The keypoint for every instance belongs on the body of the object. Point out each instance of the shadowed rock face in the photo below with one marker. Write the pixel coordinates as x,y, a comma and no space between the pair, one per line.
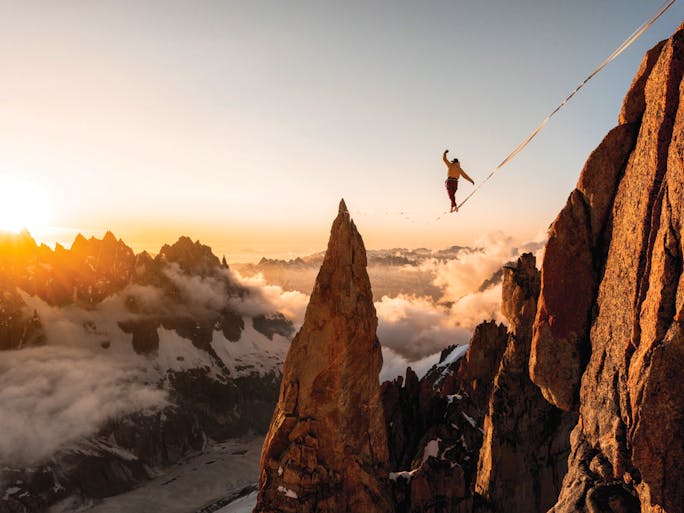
326,450
481,362
526,439
439,462
434,433
608,338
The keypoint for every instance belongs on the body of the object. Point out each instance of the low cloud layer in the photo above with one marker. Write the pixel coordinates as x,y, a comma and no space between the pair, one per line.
51,396
445,298
200,293
415,327
88,372
471,309
464,275
395,365
265,297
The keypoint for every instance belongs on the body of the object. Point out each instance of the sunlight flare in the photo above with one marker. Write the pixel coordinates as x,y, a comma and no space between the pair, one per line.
23,205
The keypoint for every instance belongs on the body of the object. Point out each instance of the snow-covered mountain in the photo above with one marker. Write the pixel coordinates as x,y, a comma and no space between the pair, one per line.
116,365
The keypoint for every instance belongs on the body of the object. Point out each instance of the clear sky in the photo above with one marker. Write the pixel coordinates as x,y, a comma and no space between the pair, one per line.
243,123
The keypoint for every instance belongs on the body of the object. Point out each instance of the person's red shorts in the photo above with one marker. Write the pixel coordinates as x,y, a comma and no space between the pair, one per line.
451,185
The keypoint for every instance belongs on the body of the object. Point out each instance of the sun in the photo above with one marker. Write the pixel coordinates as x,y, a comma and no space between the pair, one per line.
23,205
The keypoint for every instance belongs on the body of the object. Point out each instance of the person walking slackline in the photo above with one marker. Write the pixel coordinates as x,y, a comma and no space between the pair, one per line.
454,172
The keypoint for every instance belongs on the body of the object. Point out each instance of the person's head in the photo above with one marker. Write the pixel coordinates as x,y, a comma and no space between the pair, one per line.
455,161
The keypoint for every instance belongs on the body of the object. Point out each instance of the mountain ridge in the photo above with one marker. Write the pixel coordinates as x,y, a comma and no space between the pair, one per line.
164,354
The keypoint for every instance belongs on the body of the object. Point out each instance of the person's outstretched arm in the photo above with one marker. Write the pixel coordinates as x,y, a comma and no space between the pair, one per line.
465,175
446,160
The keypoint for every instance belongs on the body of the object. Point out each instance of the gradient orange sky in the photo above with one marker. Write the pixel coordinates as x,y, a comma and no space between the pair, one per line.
243,123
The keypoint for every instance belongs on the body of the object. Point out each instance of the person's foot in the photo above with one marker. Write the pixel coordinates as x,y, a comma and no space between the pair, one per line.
455,208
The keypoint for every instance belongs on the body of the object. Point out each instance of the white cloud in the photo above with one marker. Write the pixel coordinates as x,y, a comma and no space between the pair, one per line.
264,298
465,274
472,309
414,327
442,306
51,396
395,365
201,293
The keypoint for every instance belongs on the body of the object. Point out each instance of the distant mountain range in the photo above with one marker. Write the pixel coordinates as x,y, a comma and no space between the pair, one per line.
383,266
116,364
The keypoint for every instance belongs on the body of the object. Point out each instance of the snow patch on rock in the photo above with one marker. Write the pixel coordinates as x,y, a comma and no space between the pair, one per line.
287,492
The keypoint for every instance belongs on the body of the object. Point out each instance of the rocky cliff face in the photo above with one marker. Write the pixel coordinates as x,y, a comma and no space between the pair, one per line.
434,439
481,363
475,434
326,449
608,338
526,439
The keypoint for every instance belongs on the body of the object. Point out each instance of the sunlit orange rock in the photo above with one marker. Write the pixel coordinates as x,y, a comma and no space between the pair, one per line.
609,339
326,450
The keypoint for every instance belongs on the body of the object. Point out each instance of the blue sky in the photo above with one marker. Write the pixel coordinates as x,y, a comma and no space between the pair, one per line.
243,123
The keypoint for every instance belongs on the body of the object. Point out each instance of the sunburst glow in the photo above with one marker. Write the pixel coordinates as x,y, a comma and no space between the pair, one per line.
22,205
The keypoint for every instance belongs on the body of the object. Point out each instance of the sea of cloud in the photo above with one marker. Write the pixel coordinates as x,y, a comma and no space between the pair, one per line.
88,373
427,307
52,396
264,297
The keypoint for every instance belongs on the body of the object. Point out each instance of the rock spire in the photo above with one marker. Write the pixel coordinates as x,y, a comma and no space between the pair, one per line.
326,450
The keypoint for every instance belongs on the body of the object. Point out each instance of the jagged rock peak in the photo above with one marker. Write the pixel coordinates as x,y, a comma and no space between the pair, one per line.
25,237
15,246
343,207
480,364
93,245
520,290
79,239
343,274
192,257
326,449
